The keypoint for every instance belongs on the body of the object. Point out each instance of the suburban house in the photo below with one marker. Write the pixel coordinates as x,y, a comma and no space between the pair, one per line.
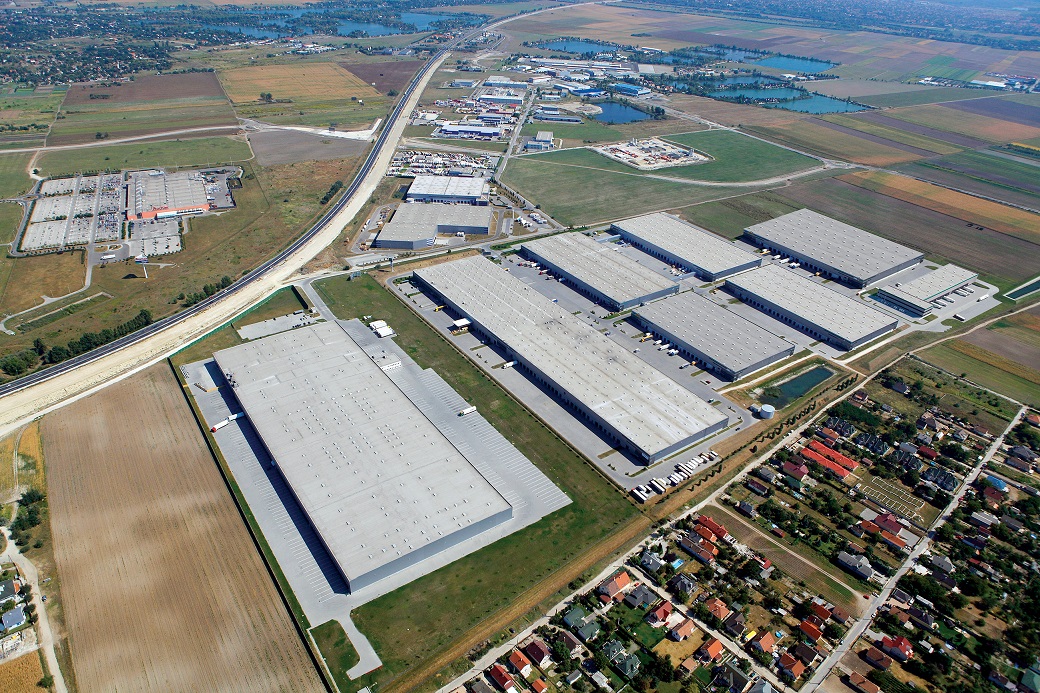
520,663
807,655
501,677
876,658
717,529
659,614
734,624
613,587
573,645
539,686
710,651
943,563
575,617
764,642
810,631
794,474
791,665
899,647
539,654
683,583
857,565
480,686
641,597
589,631
684,630
717,608
651,561
860,682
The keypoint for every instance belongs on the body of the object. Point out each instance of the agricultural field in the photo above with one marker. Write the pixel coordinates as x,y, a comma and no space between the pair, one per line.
988,368
206,151
894,136
1006,220
436,619
886,119
392,74
21,675
7,463
163,588
918,97
1021,112
148,105
1006,260
987,173
857,89
574,195
25,120
823,139
957,121
306,93
730,217
734,114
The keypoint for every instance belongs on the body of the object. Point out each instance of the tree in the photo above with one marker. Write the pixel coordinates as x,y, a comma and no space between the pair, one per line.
46,682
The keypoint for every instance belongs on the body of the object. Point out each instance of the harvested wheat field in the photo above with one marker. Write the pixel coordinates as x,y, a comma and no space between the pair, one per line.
21,675
163,588
301,82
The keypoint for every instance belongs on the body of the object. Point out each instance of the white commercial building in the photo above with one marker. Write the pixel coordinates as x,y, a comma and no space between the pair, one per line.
618,394
416,225
449,189
917,297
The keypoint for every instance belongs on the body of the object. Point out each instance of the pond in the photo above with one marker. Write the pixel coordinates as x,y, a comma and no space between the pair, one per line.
782,93
819,104
795,64
1025,290
783,394
579,47
617,113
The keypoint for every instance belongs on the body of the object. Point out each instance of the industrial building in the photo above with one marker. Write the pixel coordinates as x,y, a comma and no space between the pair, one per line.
598,271
629,89
820,312
918,297
449,189
382,486
415,225
157,194
465,130
832,248
716,338
501,97
687,246
541,142
614,392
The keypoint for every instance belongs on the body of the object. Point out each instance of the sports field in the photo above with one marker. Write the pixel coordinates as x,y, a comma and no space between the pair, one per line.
817,138
141,511
170,154
432,621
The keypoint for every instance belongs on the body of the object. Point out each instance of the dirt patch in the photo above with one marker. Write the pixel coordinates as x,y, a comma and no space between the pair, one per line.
274,147
386,75
146,88
163,588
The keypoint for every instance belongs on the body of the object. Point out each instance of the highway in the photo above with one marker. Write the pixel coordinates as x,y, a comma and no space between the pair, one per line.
260,272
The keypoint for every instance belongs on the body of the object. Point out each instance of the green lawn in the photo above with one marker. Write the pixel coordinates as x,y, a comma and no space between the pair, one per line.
582,196
339,654
190,152
420,619
14,179
730,217
10,217
634,621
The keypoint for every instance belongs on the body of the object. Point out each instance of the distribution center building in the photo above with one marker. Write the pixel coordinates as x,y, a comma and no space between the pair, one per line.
916,297
717,338
380,483
416,225
690,247
599,271
823,313
616,393
832,248
450,189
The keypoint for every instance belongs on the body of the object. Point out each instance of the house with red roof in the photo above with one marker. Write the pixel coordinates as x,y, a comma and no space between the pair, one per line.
659,614
539,686
892,540
613,587
811,631
717,608
832,468
899,647
889,522
520,663
706,533
862,684
502,679
710,651
714,526
833,455
876,658
684,630
820,610
791,665
927,452
764,642
794,474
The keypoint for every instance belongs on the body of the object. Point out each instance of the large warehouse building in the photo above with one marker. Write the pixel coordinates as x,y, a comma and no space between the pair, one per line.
917,297
416,225
832,248
717,338
450,189
820,312
156,194
380,483
615,392
690,247
599,271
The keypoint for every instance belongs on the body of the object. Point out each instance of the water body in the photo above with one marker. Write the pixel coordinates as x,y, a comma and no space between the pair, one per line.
804,65
617,113
422,22
579,47
819,104
783,394
783,93
1023,291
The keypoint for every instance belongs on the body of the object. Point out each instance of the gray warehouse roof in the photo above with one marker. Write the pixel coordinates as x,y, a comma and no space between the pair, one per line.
448,186
850,250
643,405
727,338
599,265
416,221
813,303
699,248
923,290
377,479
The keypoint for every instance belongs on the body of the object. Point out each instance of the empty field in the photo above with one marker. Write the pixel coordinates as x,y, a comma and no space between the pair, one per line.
14,178
961,122
730,217
987,369
1007,220
734,114
385,76
894,134
298,82
817,138
33,112
29,279
145,88
575,135
1004,259
190,152
140,513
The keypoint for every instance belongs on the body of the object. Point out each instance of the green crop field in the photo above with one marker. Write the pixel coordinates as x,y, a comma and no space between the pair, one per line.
189,152
575,195
14,178
985,374
894,134
919,98
415,621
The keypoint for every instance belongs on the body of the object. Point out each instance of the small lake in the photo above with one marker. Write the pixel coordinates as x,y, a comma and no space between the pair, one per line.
578,47
795,64
421,20
783,394
617,113
782,93
819,104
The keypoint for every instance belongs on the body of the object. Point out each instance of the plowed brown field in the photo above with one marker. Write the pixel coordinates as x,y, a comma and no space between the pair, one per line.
163,588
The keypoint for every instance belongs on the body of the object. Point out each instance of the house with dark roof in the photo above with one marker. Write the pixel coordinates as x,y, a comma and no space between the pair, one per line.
575,617
479,686
734,624
876,658
757,487
766,474
857,565
683,583
921,618
943,563
1023,453
573,645
794,474
651,562
641,597
862,684
806,654
746,509
538,652
900,387
730,678
589,631
14,618
8,591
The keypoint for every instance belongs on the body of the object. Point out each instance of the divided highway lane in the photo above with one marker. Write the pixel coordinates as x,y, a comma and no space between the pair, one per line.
257,274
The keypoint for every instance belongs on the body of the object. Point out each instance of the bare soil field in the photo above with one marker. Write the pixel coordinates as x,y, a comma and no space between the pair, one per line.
387,75
301,81
875,138
919,129
734,113
1007,347
146,88
1002,109
163,587
945,117
22,674
986,251
275,147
